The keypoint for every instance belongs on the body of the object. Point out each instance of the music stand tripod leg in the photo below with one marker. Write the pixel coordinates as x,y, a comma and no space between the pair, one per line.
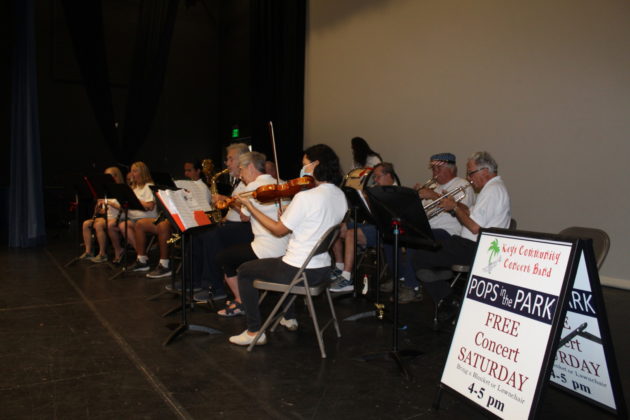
395,354
186,295
123,261
379,308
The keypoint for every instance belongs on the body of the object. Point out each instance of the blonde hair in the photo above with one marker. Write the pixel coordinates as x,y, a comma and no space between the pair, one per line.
130,180
114,171
145,175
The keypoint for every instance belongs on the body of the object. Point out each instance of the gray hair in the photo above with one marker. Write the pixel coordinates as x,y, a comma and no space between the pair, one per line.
388,168
452,167
257,158
239,147
485,160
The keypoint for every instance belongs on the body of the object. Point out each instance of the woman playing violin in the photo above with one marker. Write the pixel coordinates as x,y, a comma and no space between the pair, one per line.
265,244
311,213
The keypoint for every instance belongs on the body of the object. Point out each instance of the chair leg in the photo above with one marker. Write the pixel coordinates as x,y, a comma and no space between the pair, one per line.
269,318
435,315
280,315
262,297
333,313
320,341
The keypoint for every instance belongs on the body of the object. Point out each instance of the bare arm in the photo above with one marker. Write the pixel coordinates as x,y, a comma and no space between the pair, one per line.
462,212
148,205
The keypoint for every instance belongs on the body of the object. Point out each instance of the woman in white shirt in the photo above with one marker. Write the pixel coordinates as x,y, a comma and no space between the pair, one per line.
141,178
97,223
310,214
265,243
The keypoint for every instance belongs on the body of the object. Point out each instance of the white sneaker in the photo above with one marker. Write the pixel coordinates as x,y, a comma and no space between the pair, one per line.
244,339
289,324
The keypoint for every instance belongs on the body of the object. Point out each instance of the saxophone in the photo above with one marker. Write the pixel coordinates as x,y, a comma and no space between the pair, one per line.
216,213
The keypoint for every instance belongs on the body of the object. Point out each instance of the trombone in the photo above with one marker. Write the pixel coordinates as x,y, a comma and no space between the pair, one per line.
432,209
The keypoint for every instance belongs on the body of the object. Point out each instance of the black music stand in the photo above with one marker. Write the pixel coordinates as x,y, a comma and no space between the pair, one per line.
398,211
161,214
360,211
187,280
92,186
163,180
128,201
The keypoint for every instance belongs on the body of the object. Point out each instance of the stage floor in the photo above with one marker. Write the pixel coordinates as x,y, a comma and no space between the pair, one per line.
74,344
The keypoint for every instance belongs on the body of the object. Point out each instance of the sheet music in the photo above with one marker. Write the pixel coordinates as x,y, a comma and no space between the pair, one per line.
199,192
184,209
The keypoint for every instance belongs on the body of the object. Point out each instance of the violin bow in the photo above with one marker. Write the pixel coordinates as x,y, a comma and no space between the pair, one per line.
275,156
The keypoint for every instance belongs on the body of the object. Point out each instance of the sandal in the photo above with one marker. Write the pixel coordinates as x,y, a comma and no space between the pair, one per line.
232,309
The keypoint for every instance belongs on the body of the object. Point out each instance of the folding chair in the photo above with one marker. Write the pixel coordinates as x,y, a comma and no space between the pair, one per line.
299,285
601,240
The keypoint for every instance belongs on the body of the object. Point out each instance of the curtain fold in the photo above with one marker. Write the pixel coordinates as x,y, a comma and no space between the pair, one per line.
156,22
278,30
26,200
85,24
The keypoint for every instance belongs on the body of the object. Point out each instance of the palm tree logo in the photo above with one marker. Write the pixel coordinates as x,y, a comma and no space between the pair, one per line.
494,251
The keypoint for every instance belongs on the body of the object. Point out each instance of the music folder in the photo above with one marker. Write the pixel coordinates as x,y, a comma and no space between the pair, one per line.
183,208
125,196
98,183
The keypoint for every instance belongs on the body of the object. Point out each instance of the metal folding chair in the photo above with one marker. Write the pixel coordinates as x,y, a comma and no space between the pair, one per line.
299,286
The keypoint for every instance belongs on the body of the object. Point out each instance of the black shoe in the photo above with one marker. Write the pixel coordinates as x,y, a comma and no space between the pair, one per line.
139,266
159,272
178,287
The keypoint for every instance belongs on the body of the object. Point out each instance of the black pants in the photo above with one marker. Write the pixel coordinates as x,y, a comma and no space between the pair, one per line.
454,250
231,258
272,270
206,247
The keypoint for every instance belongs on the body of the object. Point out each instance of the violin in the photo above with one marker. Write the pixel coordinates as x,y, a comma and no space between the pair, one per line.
272,192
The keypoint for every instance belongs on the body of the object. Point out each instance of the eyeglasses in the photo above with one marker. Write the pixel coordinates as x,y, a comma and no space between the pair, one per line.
471,173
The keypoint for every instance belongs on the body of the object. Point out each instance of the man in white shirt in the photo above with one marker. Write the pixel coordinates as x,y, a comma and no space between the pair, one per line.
444,172
236,229
492,209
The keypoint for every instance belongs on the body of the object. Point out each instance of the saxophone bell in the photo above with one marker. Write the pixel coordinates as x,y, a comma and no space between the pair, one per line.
216,213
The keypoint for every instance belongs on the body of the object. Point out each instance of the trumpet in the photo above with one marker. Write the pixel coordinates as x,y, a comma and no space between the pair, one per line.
430,184
433,209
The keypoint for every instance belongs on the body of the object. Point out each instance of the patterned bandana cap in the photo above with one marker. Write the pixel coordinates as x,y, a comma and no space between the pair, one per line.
442,158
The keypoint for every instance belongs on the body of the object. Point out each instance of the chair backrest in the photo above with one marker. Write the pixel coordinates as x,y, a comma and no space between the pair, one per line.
325,242
601,240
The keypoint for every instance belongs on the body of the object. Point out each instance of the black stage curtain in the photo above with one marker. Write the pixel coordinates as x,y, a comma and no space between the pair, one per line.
153,40
85,24
26,208
277,69
156,21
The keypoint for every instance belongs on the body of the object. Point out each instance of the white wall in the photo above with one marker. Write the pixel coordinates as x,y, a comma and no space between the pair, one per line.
542,85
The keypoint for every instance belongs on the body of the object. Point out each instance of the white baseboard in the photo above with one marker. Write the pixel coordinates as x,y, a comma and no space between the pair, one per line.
613,282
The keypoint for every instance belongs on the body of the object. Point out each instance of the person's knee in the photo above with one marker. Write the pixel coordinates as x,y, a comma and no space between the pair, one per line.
164,227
